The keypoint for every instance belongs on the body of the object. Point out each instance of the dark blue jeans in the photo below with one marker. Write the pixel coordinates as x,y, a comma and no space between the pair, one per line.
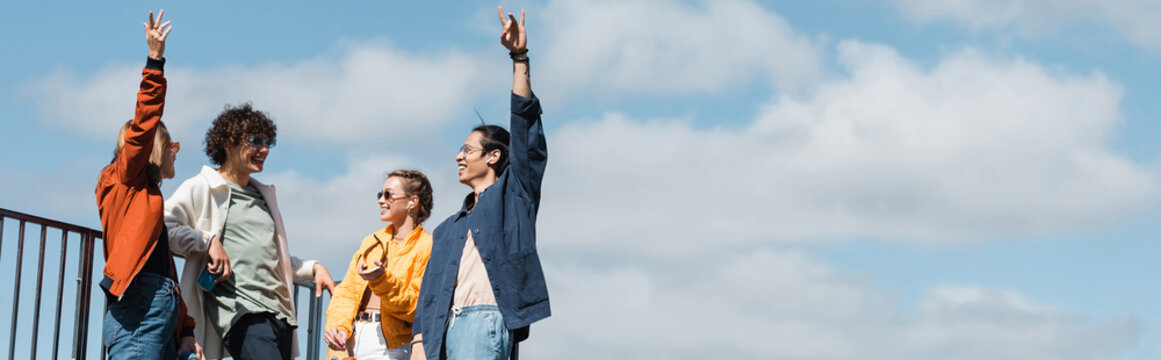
143,324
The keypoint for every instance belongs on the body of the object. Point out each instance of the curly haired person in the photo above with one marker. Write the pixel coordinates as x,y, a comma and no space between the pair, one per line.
227,224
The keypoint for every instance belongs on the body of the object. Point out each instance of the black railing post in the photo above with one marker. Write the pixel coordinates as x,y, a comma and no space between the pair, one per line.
315,321
312,332
84,281
89,292
39,287
64,247
16,292
1,234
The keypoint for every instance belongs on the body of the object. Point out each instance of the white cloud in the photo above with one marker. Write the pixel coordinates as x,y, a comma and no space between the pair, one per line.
783,304
358,96
973,148
653,47
733,303
64,192
1136,20
738,302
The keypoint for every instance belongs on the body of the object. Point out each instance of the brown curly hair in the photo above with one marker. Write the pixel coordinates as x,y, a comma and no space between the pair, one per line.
415,183
234,126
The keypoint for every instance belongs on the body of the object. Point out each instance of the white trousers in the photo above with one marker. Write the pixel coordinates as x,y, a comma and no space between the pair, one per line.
370,344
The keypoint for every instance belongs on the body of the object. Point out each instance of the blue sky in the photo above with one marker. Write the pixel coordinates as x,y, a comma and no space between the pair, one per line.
779,179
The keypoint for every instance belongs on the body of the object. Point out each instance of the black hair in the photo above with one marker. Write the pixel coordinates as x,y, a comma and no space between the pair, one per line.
495,138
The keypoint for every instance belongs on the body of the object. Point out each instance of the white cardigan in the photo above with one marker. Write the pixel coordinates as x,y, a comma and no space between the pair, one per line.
195,213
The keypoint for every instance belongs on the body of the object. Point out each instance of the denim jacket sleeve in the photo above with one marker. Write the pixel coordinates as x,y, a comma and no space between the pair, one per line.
527,151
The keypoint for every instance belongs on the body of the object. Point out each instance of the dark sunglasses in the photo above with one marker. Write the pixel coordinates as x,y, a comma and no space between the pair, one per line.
387,195
259,142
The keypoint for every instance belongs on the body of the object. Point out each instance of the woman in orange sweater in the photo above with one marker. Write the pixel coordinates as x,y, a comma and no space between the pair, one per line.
371,311
145,318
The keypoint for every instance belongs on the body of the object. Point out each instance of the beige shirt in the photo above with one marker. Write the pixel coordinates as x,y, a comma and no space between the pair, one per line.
472,284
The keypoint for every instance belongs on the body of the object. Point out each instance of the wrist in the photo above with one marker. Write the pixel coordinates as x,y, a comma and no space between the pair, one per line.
155,63
519,55
212,242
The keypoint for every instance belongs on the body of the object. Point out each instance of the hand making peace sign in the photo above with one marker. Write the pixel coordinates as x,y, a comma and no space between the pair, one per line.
513,36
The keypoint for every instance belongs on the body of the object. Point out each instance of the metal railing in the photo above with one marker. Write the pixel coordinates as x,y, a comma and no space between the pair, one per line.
83,247
84,281
314,318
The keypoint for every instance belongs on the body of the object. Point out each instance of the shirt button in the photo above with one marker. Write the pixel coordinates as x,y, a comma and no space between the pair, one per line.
476,231
487,258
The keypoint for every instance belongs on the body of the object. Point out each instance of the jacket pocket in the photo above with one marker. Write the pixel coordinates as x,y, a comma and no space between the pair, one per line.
527,278
519,238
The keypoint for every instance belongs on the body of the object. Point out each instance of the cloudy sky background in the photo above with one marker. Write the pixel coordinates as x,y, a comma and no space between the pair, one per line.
803,180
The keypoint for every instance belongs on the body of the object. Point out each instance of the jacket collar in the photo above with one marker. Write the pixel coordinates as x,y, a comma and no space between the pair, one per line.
217,181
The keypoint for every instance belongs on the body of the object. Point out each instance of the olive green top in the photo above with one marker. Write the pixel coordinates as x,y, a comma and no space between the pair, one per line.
248,238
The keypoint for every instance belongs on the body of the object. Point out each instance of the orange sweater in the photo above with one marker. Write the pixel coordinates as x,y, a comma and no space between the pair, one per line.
397,289
129,204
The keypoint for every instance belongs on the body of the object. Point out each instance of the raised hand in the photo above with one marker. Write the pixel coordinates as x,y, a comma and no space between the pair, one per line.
513,36
155,34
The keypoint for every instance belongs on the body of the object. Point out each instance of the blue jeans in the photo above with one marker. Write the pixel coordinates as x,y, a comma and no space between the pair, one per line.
477,332
143,324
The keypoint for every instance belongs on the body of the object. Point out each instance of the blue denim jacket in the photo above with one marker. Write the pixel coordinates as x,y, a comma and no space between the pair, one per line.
503,225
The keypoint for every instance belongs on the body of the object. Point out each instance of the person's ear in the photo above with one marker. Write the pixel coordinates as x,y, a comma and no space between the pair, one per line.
493,157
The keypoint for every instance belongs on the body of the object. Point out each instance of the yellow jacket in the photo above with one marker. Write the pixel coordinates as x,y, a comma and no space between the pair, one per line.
397,289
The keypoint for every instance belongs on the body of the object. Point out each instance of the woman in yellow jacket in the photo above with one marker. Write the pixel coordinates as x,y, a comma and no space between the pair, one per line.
371,311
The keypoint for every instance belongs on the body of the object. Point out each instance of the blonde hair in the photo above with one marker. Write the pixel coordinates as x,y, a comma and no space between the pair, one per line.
160,138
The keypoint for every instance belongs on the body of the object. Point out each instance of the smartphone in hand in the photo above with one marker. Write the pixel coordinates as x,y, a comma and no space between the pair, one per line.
370,270
206,280
187,355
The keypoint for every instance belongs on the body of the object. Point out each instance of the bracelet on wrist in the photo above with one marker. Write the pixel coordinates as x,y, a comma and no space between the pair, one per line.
416,341
519,56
